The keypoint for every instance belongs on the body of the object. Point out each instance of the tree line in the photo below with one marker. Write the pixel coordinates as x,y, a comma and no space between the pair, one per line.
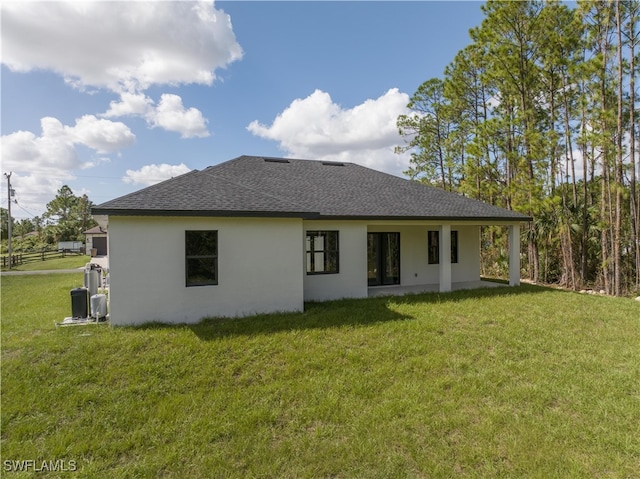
66,218
539,114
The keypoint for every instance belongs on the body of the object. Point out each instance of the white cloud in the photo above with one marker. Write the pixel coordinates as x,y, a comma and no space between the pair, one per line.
104,136
24,151
151,174
41,163
317,128
122,46
170,114
130,104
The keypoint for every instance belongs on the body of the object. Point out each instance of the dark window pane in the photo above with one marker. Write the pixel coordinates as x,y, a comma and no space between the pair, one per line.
383,258
434,247
454,246
201,243
331,265
392,258
201,271
373,259
201,252
332,240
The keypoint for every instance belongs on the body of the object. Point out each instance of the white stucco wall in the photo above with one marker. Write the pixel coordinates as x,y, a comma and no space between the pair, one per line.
468,266
414,261
351,281
260,265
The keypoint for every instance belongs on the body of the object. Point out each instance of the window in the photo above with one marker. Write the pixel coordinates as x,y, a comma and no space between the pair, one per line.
434,247
201,253
322,252
454,246
433,238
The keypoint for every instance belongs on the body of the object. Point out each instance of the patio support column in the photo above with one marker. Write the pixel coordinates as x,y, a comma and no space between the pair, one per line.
514,255
445,258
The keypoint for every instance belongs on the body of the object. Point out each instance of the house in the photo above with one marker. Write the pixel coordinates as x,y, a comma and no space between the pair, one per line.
96,241
256,235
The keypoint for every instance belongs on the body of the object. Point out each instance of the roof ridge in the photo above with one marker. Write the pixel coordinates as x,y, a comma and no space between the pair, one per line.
306,160
137,192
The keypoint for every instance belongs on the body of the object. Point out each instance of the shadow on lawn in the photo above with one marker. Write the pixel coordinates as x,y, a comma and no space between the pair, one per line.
335,314
346,313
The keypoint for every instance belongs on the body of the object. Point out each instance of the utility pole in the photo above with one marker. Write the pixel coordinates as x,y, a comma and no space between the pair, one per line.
10,193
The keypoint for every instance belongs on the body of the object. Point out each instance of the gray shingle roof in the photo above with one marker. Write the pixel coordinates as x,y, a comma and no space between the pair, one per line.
96,230
257,186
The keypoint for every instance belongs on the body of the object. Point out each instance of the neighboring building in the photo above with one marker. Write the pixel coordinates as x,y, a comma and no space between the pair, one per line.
96,241
257,235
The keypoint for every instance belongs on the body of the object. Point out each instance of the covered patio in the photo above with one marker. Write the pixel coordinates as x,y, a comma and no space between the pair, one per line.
432,256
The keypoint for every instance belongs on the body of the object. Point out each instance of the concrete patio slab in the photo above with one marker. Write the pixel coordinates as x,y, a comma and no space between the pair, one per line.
399,290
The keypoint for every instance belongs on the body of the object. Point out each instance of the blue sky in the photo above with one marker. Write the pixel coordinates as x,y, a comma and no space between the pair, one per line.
110,97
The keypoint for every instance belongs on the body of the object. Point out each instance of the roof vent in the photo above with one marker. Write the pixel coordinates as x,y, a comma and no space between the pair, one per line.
332,163
276,160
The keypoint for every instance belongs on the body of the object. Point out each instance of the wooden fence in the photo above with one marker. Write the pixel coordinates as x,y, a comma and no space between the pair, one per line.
23,258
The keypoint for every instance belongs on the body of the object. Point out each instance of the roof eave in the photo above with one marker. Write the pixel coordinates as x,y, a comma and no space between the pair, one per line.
303,215
483,219
205,213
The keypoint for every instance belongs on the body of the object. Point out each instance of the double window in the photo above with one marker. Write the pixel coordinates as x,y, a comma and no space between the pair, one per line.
201,255
434,247
322,252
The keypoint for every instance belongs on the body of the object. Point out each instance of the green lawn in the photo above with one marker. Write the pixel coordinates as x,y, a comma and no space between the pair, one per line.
68,262
526,382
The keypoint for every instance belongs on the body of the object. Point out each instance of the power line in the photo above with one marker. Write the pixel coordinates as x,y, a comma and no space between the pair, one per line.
25,210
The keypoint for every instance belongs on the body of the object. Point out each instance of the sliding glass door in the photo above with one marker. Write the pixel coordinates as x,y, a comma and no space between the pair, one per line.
383,258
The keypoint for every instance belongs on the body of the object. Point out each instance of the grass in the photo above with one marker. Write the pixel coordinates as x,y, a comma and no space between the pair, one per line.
526,382
68,262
